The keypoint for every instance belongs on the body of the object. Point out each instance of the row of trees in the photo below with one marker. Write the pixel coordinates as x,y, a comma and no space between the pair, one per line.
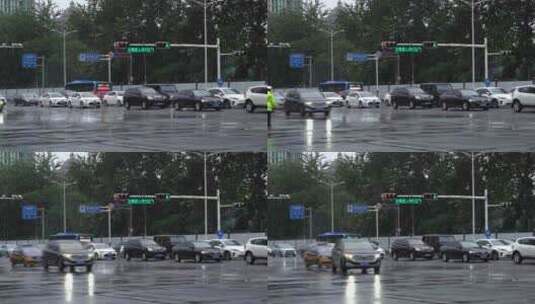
97,24
507,176
239,176
509,25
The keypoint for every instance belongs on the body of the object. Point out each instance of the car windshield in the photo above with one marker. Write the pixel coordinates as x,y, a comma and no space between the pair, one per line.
230,91
201,93
446,239
469,93
311,95
28,96
366,94
500,242
416,242
100,246
120,93
470,245
31,251
441,88
285,245
148,243
168,89
415,91
87,94
55,95
71,246
231,243
330,94
202,245
497,90
358,245
148,91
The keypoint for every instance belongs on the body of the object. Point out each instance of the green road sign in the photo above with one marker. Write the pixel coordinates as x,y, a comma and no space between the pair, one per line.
141,49
408,201
408,49
140,200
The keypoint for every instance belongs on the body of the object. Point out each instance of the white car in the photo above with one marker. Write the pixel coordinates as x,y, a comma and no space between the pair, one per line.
102,251
497,95
523,97
113,98
523,249
499,248
232,98
84,100
229,248
333,99
256,97
362,99
53,99
3,103
256,249
7,249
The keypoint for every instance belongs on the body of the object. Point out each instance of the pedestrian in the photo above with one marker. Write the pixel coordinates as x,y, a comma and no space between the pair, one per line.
271,105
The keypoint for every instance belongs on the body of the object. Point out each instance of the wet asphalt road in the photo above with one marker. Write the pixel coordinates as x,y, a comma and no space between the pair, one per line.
136,282
405,282
113,129
404,130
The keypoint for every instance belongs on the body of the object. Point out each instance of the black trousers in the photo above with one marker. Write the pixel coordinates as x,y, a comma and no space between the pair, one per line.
269,119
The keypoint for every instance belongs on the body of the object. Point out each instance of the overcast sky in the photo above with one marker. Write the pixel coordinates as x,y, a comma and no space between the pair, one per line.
65,3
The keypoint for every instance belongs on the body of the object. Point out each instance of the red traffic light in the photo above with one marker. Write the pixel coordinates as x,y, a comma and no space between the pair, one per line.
121,45
388,196
388,44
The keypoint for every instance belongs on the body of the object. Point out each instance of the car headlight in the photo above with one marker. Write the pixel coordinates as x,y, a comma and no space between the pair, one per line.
150,98
377,256
348,256
471,252
203,252
150,249
89,255
308,103
418,97
417,249
67,256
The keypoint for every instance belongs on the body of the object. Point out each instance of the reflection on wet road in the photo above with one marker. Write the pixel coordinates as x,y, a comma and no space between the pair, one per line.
404,282
115,129
404,130
136,282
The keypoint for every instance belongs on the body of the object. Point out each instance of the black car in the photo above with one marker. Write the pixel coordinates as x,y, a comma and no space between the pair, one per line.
436,89
168,90
412,249
437,240
196,251
306,102
67,253
198,100
26,100
144,97
411,97
464,99
169,241
144,249
465,251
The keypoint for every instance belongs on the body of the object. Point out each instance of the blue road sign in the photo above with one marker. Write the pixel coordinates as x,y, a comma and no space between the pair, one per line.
90,209
297,61
89,57
488,83
297,212
488,234
29,212
220,234
220,82
357,208
29,61
357,57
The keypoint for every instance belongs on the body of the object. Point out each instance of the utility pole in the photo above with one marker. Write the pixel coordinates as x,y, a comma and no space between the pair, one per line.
42,223
205,198
331,186
64,33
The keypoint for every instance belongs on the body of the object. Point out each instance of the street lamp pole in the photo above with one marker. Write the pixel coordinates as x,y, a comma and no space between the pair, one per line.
65,185
205,199
332,33
331,185
64,33
205,46
473,46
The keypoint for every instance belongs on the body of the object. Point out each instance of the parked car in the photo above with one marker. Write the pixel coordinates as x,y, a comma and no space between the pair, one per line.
53,99
355,254
465,251
256,98
84,100
412,249
283,250
499,248
168,90
26,99
144,249
499,97
436,90
306,102
436,241
523,249
102,251
232,98
67,253
144,97
464,99
7,249
169,241
229,248
113,98
362,99
523,97
319,254
378,248
412,97
27,255
198,100
333,99
256,249
196,251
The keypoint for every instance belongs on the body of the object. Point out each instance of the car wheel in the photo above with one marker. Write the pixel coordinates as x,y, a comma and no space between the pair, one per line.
89,268
412,256
144,256
517,258
249,107
72,269
303,112
466,106
412,105
517,106
327,114
227,104
227,256
466,258
249,258
61,266
343,266
444,106
445,258
377,270
198,258
177,258
45,265
198,107
495,256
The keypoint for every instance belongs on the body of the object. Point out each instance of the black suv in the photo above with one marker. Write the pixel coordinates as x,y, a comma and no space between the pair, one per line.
436,89
67,253
198,100
411,97
144,249
144,97
436,241
169,241
168,90
412,249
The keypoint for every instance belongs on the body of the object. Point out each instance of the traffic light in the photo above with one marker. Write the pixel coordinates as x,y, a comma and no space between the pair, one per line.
120,197
388,196
162,196
429,44
388,44
121,45
163,45
430,196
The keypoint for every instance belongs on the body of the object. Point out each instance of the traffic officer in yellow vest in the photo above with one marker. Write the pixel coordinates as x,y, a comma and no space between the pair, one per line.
271,105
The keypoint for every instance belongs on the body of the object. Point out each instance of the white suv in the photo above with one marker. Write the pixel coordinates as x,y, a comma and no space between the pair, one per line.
523,97
256,249
256,97
523,248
